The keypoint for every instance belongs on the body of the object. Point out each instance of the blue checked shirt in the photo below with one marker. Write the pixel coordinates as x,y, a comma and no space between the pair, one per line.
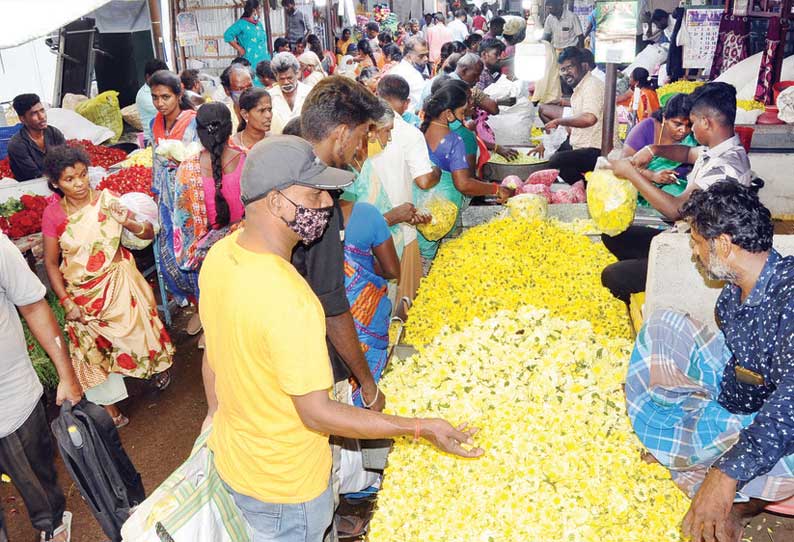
760,334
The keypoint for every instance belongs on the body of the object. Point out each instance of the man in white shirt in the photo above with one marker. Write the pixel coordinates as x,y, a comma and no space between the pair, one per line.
289,94
407,163
562,28
458,26
26,448
412,68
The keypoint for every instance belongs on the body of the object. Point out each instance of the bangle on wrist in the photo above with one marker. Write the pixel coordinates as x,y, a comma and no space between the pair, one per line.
143,229
62,299
374,400
496,191
650,150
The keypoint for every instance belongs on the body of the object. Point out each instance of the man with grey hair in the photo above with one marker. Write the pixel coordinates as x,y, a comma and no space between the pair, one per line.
288,94
412,68
469,68
413,29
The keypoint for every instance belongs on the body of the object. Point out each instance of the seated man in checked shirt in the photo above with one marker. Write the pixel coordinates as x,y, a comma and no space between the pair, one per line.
717,408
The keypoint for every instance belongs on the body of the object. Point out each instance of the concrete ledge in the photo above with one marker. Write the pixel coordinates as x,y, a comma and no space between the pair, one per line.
674,281
777,171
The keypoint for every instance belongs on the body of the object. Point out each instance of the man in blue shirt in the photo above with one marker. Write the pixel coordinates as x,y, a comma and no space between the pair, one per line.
143,99
717,408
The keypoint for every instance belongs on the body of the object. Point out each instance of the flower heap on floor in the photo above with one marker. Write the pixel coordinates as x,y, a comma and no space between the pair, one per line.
561,462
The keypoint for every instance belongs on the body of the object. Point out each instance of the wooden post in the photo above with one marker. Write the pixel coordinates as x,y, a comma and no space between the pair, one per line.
608,117
157,28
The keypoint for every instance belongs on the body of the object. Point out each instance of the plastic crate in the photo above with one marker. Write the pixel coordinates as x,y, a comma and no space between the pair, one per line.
6,133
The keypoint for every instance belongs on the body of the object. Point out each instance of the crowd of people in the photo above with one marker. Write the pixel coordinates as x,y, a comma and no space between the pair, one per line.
312,172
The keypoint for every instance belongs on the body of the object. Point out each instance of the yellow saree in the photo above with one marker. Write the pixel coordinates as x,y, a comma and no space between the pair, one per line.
122,332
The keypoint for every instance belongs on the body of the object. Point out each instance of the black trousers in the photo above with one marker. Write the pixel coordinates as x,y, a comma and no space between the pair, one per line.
26,455
573,164
631,248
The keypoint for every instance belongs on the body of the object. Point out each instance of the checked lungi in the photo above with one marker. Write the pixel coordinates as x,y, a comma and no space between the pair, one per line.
672,387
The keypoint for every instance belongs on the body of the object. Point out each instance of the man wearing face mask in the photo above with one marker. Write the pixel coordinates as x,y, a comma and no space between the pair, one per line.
717,408
268,373
289,93
413,68
235,80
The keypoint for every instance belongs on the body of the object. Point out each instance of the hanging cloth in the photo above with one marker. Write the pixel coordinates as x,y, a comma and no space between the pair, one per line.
732,46
675,56
763,89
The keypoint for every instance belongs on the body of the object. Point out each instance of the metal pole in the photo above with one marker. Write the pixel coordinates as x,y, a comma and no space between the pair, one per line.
608,124
157,30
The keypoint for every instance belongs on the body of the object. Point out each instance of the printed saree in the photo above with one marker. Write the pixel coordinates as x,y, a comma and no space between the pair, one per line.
122,332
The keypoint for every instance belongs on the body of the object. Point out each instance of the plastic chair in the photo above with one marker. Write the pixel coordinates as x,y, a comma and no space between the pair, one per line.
782,507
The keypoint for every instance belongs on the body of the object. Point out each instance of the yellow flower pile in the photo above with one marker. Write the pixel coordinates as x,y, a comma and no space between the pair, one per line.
444,214
683,87
750,105
528,206
611,201
141,157
521,160
561,461
509,263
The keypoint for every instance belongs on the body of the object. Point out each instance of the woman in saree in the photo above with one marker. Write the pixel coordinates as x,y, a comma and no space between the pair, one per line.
668,126
448,152
175,120
379,163
256,109
370,262
112,323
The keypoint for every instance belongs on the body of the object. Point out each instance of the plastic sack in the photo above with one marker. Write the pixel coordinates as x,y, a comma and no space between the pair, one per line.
444,214
513,182
528,206
70,101
611,201
539,189
145,210
131,116
553,141
545,176
74,126
785,105
104,110
513,126
574,194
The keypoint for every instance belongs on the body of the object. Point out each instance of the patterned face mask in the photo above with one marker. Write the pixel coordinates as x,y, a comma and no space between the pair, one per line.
308,223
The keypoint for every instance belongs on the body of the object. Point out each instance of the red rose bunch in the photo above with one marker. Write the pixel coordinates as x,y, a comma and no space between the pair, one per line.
27,220
100,155
5,169
131,179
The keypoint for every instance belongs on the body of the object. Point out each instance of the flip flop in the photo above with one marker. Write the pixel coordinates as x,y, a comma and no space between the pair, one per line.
66,526
162,380
194,326
120,421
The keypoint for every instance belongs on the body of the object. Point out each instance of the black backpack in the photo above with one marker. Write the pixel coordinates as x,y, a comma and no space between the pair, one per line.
95,459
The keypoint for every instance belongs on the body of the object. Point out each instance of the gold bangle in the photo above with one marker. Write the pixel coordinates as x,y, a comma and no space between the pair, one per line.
143,229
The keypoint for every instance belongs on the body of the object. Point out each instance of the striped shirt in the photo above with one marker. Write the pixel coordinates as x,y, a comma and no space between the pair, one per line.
725,162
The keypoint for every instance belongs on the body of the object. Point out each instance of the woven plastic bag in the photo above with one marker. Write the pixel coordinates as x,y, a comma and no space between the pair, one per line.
104,110
611,201
444,214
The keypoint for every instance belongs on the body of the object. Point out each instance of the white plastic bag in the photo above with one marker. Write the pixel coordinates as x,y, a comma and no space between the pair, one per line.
353,477
785,105
75,126
145,210
513,126
553,141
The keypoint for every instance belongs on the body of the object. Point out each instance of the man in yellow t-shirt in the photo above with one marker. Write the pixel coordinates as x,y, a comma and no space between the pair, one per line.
268,364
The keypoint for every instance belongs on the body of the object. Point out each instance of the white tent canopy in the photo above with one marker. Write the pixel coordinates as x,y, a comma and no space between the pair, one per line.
26,20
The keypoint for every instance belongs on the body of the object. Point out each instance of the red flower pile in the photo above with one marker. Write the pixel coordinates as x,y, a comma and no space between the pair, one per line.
100,155
130,179
5,169
27,220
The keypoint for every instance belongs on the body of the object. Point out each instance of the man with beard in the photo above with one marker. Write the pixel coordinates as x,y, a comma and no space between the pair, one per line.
587,106
717,408
722,157
490,52
413,68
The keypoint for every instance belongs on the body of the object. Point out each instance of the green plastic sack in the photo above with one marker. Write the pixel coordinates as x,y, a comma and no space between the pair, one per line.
104,110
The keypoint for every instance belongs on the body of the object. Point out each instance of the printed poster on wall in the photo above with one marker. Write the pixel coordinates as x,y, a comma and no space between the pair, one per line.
701,31
187,29
616,28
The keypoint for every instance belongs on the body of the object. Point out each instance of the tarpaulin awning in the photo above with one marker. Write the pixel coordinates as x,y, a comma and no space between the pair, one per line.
26,20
